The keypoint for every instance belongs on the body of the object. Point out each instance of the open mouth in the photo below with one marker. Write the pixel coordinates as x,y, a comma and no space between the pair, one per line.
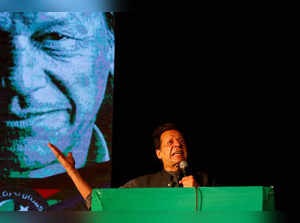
178,153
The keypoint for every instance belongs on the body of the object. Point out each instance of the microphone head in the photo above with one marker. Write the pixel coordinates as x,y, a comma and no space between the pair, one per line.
183,164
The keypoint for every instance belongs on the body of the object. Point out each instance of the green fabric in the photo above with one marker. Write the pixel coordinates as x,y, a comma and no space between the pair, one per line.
214,205
182,217
254,198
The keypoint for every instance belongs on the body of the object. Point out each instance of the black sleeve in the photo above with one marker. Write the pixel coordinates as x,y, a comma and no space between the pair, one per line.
88,201
130,184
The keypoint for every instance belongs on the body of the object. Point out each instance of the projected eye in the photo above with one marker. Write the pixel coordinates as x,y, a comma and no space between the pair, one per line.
51,36
54,36
56,42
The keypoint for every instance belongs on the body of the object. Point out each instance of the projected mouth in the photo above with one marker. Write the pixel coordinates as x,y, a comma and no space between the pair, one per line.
29,119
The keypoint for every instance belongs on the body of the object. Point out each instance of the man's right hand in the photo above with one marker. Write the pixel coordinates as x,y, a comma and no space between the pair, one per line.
69,164
188,181
68,161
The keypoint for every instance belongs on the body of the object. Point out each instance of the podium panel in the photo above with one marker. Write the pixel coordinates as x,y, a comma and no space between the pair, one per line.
254,198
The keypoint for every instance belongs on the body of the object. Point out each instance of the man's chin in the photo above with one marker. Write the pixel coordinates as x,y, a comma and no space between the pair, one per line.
177,159
30,152
26,154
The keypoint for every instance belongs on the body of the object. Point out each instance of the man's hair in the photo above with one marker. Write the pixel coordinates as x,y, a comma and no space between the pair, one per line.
160,130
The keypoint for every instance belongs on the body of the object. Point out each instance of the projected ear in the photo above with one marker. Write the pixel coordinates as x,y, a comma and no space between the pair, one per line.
111,50
111,57
109,18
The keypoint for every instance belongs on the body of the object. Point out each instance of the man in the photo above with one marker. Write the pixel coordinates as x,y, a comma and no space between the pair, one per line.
54,68
171,149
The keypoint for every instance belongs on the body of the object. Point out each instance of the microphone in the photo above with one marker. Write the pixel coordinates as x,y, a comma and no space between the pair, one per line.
183,165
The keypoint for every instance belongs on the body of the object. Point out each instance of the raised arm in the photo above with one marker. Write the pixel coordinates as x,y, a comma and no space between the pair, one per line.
69,164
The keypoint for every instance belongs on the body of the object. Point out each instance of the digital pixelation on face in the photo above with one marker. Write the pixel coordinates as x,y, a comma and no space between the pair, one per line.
54,68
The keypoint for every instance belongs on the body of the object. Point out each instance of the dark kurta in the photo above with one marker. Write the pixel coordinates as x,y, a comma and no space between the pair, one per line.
160,179
165,179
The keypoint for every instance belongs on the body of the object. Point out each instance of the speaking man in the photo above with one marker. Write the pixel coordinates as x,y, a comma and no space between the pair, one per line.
170,147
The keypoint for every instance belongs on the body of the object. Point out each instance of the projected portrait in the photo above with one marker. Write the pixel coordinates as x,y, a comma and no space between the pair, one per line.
54,69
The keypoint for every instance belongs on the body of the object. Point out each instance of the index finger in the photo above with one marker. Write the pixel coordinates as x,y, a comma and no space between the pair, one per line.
60,156
56,151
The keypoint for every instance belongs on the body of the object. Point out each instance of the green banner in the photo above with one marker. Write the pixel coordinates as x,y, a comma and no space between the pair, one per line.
254,198
204,204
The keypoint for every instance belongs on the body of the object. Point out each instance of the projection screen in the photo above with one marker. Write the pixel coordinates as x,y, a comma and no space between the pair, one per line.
56,83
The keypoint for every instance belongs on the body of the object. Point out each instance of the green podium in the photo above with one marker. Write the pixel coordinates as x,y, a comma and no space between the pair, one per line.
208,204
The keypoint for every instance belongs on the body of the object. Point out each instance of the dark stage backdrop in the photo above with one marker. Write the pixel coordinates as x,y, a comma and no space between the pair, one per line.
221,79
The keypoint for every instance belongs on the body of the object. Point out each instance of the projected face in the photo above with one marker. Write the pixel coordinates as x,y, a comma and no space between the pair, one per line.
53,72
172,149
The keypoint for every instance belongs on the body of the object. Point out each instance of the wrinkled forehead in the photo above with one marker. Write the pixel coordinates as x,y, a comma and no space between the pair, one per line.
31,19
169,134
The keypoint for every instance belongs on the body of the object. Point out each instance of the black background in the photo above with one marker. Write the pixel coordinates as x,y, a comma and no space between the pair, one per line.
223,79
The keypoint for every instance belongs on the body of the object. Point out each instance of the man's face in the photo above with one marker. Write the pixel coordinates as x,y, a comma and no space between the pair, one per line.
172,149
53,72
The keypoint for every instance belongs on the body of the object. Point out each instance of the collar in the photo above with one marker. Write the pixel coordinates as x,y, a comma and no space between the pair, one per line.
173,178
98,150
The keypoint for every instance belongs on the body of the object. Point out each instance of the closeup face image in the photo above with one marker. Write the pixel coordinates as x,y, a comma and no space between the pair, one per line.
54,68
172,149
